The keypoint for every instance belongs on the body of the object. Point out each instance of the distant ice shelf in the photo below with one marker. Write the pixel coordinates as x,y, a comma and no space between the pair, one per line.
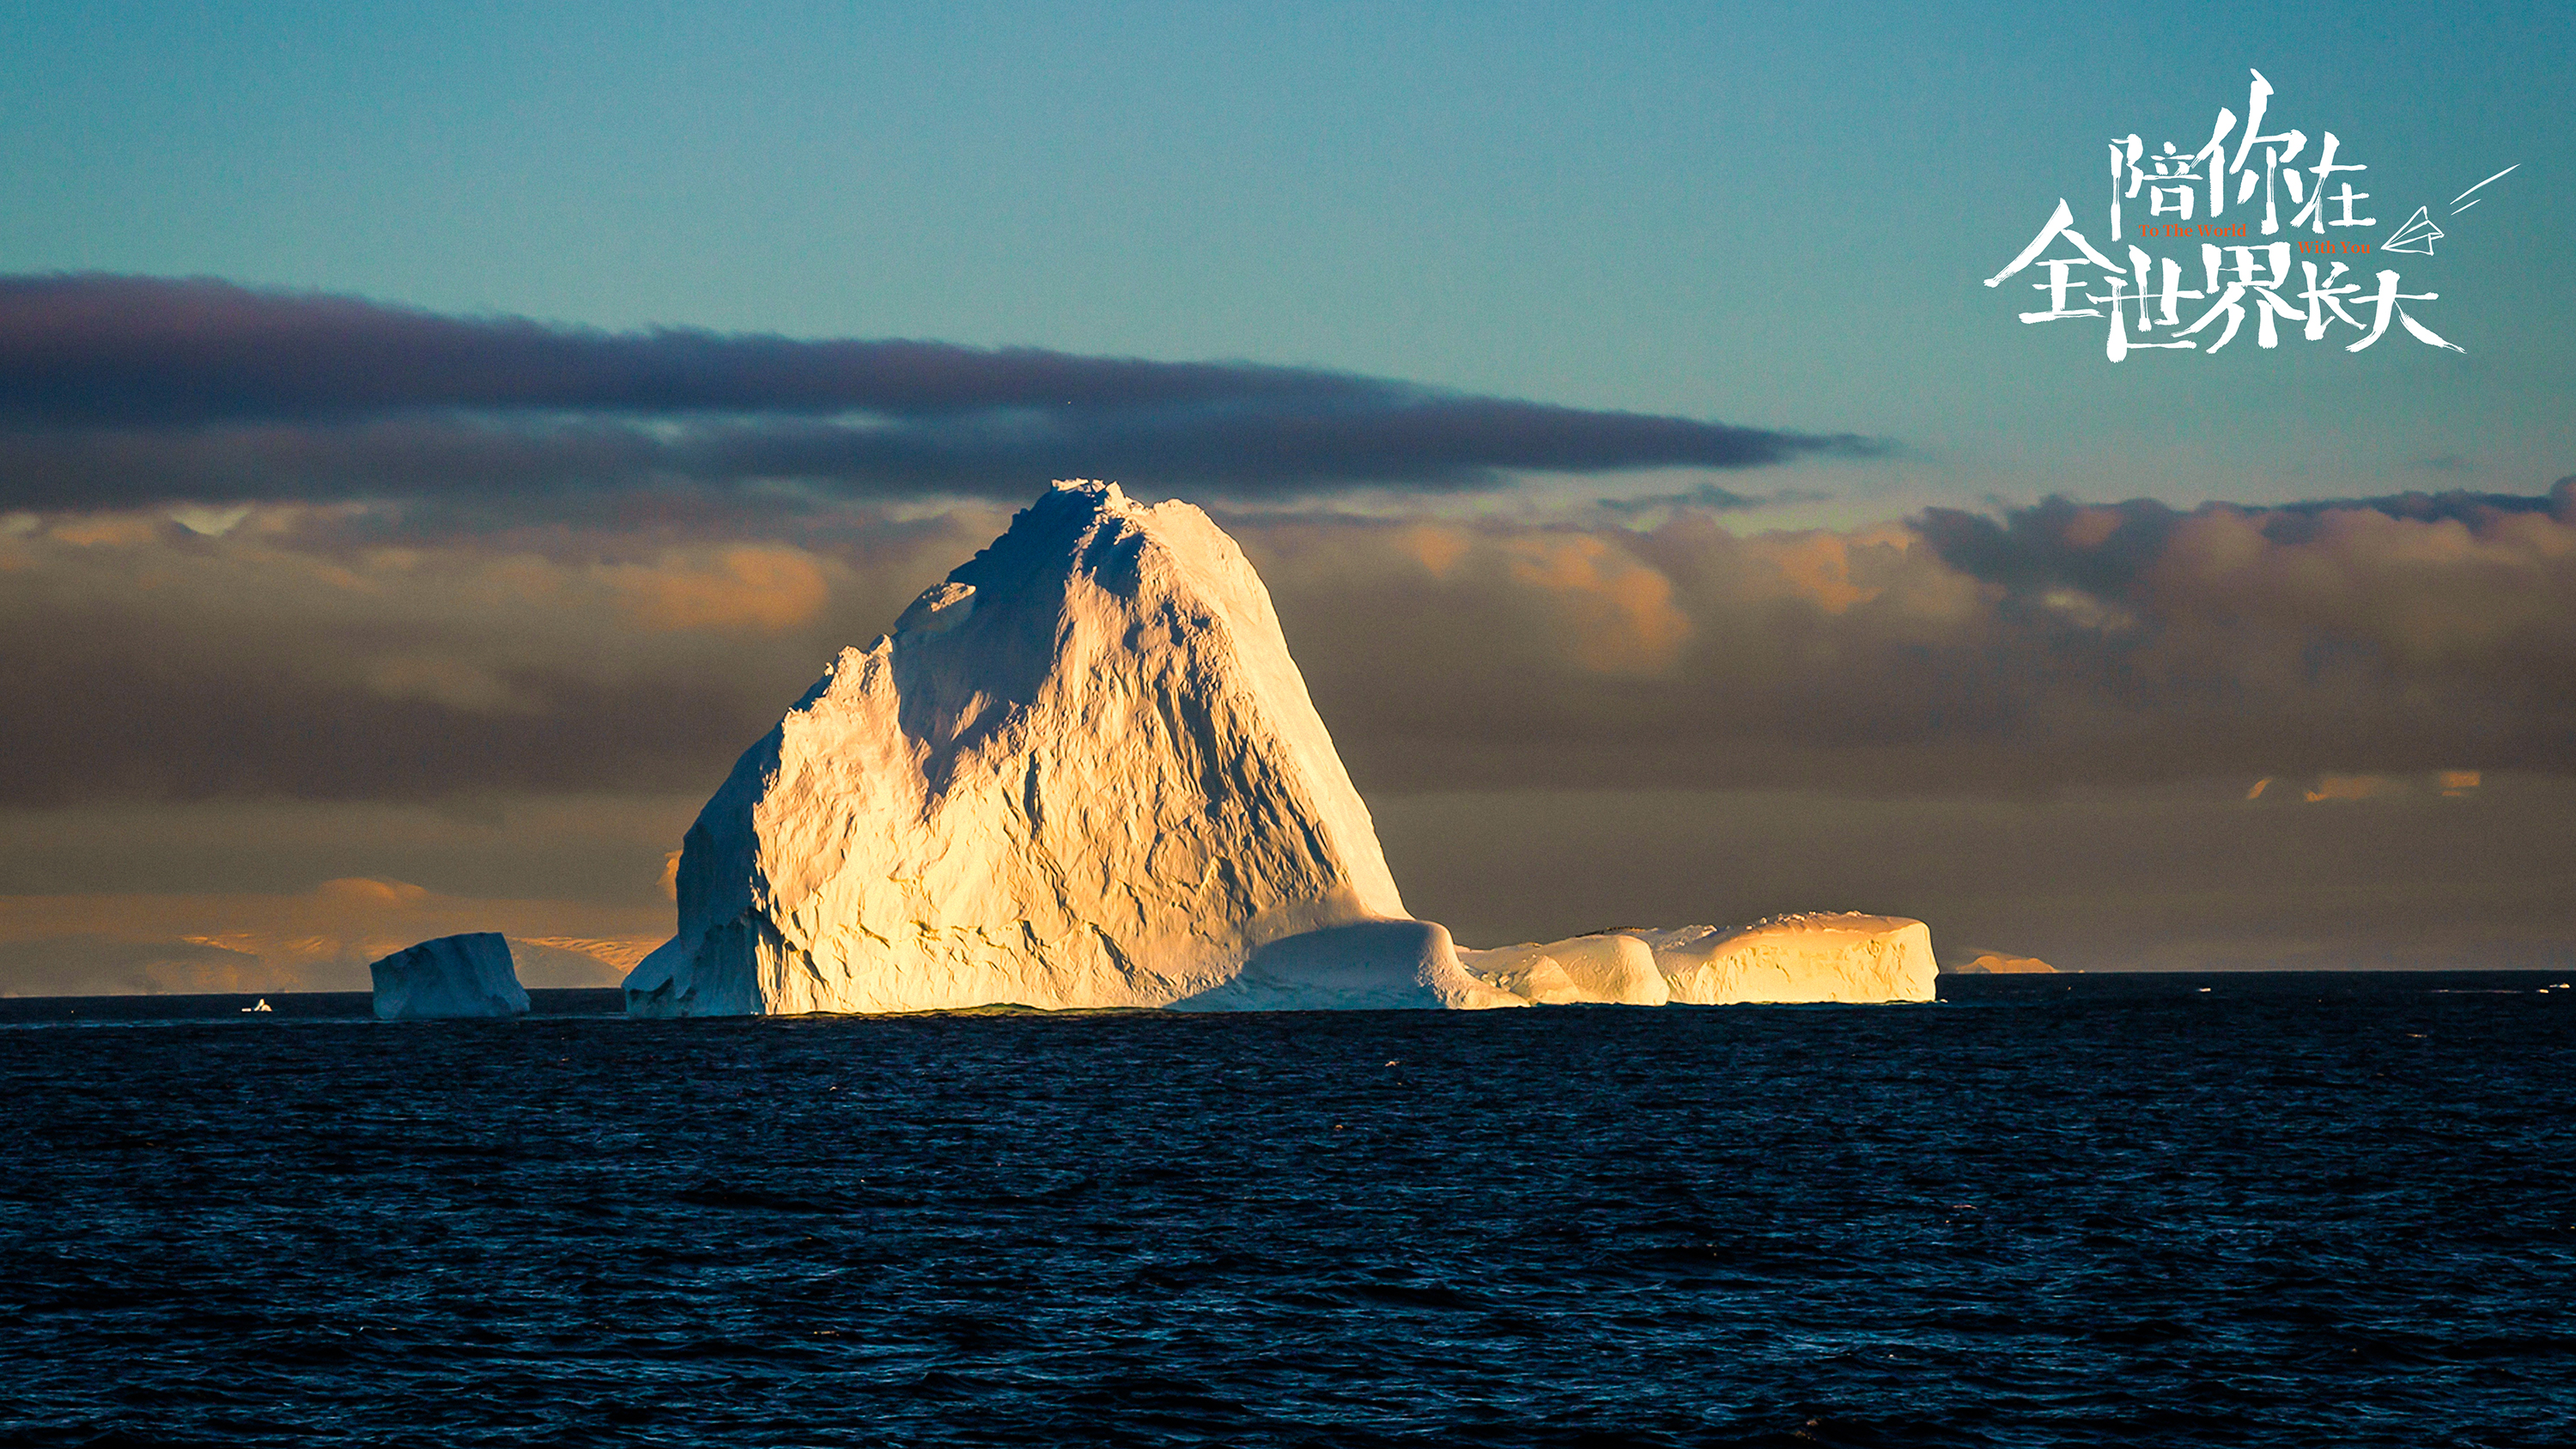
1997,963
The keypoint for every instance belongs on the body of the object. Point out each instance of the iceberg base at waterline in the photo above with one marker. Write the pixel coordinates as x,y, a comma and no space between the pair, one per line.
452,976
1388,965
1814,957
1363,966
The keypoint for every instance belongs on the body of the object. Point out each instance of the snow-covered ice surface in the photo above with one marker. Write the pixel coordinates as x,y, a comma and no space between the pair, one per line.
468,975
1084,772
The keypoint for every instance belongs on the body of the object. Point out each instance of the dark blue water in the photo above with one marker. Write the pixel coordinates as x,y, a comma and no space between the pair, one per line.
2291,1210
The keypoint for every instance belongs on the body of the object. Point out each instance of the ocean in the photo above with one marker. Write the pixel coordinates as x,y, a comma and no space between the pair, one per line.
2311,1209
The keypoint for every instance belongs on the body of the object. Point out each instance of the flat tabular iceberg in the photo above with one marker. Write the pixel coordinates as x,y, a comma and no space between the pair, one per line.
1821,956
1084,772
1816,956
468,975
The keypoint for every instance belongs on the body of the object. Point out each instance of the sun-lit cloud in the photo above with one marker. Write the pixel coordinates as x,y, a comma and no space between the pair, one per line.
1619,612
317,940
1437,549
767,589
331,652
353,651
1819,566
2348,787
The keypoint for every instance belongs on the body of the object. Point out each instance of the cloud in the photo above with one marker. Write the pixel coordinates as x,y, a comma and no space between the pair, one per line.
2348,787
315,654
2358,636
1618,613
1711,497
349,652
122,391
2133,878
2062,644
2101,548
316,940
742,587
87,963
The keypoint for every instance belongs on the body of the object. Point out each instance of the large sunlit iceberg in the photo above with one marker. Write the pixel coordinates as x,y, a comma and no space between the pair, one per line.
1083,771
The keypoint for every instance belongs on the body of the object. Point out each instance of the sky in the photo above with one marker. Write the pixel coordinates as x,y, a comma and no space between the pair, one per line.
435,440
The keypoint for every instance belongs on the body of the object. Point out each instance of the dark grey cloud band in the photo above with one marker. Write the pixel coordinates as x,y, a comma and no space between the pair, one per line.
119,391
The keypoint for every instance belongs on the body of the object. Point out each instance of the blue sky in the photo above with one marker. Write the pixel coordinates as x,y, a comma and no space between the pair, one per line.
1746,214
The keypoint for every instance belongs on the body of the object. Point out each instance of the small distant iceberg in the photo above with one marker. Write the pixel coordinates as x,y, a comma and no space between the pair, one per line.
453,976
1996,963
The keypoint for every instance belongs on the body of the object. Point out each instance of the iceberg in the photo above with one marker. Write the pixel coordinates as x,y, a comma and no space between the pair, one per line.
1998,963
468,975
1809,957
1083,771
1365,966
1814,957
1612,968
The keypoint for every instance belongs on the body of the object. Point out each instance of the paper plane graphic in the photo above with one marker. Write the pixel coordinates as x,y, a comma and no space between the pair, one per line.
2417,235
